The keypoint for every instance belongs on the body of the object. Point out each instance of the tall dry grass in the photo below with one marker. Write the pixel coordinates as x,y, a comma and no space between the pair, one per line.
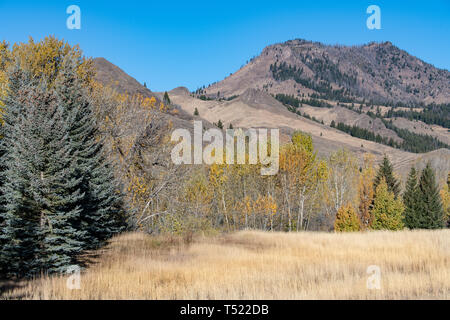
261,265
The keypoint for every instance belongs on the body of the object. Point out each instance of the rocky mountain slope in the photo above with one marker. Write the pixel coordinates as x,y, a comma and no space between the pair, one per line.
379,72
257,108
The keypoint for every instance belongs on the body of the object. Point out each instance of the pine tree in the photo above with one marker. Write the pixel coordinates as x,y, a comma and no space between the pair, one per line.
59,192
410,199
387,210
20,226
42,193
196,112
386,171
166,98
55,184
429,213
102,213
20,212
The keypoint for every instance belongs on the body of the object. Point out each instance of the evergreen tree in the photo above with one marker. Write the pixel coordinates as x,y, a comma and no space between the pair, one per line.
166,98
220,124
102,212
387,210
429,214
55,184
410,199
59,195
386,172
19,212
196,112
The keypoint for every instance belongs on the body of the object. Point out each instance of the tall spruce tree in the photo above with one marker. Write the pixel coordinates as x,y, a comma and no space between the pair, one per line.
102,212
386,171
430,214
19,212
42,190
410,199
59,192
56,186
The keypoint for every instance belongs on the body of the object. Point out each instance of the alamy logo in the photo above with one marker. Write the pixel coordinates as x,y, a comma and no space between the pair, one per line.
74,20
74,280
374,280
374,20
251,144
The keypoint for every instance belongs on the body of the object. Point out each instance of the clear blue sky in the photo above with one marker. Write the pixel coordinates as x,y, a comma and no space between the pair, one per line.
191,43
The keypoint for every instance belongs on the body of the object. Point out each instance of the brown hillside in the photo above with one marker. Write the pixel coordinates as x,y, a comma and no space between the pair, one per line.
377,71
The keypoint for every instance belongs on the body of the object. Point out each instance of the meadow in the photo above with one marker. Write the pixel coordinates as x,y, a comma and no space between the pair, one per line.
259,265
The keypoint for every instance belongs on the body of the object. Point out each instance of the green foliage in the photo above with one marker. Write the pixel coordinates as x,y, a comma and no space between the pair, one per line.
431,114
166,98
102,208
59,192
412,142
296,103
429,213
196,113
410,199
326,72
386,172
346,219
387,211
303,140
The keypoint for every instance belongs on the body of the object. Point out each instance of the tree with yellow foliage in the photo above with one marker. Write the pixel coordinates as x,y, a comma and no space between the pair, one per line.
387,209
346,219
300,174
445,196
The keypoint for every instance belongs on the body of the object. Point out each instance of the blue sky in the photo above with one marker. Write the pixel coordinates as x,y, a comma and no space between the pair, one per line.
192,43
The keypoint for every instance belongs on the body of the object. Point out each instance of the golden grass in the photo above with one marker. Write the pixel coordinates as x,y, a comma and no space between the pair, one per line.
262,265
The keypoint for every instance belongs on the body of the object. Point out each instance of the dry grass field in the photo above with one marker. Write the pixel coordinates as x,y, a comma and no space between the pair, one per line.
260,265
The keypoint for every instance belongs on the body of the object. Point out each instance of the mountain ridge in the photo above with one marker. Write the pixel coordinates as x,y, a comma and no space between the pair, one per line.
380,72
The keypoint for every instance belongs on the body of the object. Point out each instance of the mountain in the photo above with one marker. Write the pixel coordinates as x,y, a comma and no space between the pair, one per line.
377,72
256,108
112,75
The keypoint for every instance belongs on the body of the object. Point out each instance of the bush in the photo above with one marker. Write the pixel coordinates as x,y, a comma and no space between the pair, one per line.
346,219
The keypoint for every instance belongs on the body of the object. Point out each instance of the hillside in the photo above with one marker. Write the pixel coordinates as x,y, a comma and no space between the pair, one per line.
258,108
379,72
112,75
